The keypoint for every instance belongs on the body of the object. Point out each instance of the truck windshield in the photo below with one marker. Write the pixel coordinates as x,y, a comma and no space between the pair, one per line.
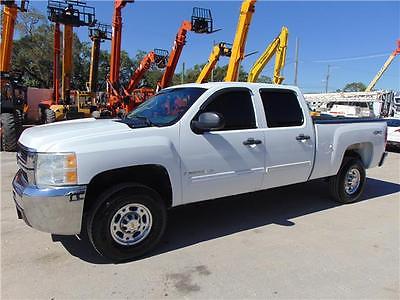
168,106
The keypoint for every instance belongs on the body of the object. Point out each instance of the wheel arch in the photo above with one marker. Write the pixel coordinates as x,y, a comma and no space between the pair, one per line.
153,175
362,151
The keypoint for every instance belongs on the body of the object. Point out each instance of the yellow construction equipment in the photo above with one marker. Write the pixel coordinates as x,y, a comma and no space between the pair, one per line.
221,49
277,47
238,48
384,68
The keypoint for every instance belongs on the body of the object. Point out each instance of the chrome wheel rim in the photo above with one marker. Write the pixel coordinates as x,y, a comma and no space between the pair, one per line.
131,224
352,181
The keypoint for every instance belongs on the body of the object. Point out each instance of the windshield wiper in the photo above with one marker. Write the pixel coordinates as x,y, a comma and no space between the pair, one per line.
146,119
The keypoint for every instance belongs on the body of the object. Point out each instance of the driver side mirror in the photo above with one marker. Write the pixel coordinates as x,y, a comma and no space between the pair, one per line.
207,121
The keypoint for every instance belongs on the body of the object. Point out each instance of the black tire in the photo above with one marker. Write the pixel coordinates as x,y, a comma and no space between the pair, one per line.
337,183
9,132
49,116
102,214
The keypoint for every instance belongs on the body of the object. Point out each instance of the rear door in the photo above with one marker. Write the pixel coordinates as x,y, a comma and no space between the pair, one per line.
289,138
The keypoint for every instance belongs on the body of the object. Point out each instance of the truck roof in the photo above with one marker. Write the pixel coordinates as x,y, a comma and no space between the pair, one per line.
209,85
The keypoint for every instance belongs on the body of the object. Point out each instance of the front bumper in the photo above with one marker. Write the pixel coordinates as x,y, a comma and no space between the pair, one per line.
56,210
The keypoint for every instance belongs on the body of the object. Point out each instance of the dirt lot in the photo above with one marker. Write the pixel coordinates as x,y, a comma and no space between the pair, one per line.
291,242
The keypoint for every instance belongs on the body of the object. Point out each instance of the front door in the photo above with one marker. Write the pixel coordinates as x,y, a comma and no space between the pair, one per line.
228,161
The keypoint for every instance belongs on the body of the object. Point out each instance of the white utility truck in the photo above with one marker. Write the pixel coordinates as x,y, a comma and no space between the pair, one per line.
116,179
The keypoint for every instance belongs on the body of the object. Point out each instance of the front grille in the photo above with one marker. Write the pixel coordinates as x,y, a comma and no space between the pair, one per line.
26,162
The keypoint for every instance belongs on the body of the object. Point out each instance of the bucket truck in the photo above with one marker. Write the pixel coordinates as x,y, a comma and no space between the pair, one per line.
384,68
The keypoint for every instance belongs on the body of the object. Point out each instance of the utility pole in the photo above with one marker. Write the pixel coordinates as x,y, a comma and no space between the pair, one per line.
183,73
296,63
327,79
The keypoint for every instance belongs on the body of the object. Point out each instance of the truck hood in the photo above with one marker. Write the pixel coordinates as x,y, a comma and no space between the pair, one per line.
65,135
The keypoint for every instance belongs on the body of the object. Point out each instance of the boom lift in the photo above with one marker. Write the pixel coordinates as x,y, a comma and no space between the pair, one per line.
277,47
13,93
201,22
70,13
384,68
238,48
157,57
221,49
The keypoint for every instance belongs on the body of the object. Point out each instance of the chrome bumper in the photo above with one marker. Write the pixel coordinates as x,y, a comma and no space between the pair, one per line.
55,210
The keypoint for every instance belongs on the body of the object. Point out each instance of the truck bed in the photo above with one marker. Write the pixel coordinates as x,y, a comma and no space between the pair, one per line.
328,119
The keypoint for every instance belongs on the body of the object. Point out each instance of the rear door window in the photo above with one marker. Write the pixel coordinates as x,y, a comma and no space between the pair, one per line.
282,108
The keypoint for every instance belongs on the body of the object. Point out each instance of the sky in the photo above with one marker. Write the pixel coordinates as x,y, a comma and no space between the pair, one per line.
354,37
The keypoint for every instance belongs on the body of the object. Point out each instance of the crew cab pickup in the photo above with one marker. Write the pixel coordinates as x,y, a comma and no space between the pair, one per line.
116,178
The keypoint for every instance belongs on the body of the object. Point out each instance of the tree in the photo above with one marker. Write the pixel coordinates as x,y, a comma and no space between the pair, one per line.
354,87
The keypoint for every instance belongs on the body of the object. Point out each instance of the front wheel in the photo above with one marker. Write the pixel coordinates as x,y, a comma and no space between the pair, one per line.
128,221
348,185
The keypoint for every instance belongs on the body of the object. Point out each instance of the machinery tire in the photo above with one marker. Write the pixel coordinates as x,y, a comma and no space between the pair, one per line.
342,187
113,223
9,133
19,120
49,116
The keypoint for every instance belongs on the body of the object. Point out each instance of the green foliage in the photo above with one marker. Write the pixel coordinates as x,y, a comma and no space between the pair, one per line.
355,87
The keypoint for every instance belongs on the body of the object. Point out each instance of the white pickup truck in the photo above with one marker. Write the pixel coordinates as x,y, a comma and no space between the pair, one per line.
116,179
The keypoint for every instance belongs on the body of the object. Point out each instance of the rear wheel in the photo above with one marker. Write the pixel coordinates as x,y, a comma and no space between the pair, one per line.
9,132
128,221
348,185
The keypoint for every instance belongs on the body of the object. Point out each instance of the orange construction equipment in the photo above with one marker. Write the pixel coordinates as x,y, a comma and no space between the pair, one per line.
201,22
13,93
113,86
70,13
158,57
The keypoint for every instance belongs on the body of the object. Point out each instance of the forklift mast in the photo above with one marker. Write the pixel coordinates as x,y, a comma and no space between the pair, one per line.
158,57
277,47
221,49
385,66
9,18
97,34
70,13
115,58
238,48
201,22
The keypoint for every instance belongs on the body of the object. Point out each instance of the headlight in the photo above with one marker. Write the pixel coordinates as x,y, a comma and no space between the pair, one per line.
56,169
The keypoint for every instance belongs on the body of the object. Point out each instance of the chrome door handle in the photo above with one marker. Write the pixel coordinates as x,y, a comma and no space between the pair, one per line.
302,137
251,141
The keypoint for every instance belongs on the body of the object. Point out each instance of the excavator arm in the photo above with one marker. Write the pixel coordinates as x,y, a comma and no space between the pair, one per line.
238,48
201,22
218,50
277,47
384,68
158,57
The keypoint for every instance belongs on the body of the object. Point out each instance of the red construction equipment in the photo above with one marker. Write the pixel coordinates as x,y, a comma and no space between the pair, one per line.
158,57
201,22
113,86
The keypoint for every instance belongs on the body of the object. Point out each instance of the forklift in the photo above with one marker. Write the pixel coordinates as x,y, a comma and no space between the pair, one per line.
201,22
70,13
13,93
